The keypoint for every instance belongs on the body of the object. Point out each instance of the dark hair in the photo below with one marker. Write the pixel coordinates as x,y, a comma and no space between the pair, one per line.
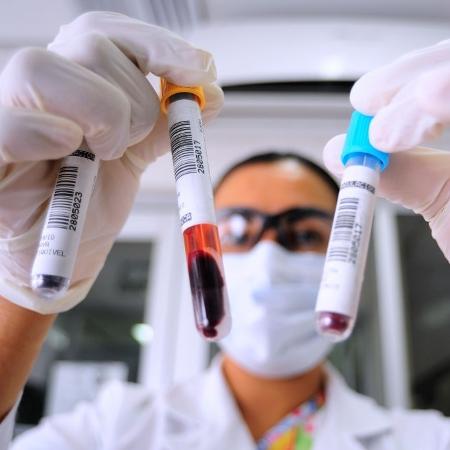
271,157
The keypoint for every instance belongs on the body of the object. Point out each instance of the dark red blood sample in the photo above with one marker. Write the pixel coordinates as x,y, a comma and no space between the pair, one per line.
205,277
207,291
334,325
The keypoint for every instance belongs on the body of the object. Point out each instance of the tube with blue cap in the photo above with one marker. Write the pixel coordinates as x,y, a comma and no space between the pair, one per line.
340,289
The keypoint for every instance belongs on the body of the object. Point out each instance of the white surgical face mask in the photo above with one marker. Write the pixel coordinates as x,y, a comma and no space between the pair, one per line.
272,297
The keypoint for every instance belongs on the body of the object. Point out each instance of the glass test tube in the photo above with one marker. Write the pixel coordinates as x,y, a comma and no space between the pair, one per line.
60,238
340,289
196,209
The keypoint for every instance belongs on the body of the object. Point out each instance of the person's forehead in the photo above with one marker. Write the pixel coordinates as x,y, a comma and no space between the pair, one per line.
272,187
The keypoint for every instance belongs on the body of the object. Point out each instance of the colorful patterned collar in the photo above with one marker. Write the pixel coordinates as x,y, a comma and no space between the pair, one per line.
297,427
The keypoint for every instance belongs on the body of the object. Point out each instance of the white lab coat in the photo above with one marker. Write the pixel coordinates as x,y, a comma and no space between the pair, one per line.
201,415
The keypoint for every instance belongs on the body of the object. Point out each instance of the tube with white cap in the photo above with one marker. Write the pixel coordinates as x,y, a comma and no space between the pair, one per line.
340,289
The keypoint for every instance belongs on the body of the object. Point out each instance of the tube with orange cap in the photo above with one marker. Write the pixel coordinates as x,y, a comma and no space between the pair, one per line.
183,105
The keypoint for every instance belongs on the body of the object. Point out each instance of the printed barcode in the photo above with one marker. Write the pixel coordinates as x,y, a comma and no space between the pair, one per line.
183,151
61,204
341,239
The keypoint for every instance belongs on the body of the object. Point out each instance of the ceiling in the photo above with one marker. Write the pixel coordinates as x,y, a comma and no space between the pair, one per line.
31,22
27,22
409,9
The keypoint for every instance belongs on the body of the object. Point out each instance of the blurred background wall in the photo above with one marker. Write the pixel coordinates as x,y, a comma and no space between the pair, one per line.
286,68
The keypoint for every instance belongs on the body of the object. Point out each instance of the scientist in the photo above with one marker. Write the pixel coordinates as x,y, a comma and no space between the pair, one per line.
271,388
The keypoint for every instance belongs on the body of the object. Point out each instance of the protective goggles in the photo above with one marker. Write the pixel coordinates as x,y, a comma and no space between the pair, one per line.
296,229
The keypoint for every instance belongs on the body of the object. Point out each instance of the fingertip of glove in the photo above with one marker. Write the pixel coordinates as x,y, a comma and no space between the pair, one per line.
107,150
27,135
358,96
377,135
384,136
332,155
432,93
206,65
196,67
214,101
210,66
369,94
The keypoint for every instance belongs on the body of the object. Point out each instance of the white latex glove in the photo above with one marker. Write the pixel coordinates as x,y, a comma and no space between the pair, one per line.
90,82
410,99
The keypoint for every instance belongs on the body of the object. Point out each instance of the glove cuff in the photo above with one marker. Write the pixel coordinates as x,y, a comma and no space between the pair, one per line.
26,298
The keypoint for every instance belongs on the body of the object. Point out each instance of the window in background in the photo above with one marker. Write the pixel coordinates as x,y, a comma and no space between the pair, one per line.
426,281
98,340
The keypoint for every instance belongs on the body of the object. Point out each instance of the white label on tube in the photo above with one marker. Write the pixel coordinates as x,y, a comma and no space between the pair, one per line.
61,235
350,235
190,161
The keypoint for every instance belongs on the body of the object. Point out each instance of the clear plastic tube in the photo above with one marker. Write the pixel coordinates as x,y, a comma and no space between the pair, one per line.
340,289
197,216
60,238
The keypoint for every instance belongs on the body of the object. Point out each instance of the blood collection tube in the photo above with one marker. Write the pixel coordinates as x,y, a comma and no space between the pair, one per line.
196,208
60,238
340,289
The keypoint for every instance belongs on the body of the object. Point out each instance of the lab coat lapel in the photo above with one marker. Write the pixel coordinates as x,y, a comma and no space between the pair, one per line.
226,427
208,417
349,421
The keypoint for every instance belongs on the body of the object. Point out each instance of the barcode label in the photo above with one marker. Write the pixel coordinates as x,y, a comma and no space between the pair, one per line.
66,215
183,150
62,200
190,163
343,227
343,272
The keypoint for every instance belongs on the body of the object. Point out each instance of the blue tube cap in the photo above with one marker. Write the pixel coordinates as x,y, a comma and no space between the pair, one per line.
357,141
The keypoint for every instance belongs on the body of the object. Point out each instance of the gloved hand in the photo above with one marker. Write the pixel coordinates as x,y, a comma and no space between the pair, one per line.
410,99
90,82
